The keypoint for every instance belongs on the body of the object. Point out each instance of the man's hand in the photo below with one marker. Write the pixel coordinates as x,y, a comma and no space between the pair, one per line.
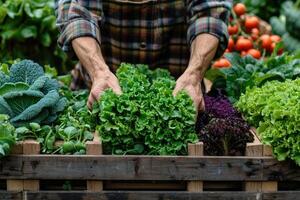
190,82
102,82
89,53
203,50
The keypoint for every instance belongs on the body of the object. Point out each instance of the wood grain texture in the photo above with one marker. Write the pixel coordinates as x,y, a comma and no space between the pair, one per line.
195,150
94,148
4,195
134,195
189,168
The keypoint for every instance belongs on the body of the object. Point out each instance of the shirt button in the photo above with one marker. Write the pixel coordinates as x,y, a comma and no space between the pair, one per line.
143,45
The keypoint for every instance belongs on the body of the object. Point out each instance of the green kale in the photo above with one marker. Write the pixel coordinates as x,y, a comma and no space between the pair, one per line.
30,96
146,118
25,71
275,109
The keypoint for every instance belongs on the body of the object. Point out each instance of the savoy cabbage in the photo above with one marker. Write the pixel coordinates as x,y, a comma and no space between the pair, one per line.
28,95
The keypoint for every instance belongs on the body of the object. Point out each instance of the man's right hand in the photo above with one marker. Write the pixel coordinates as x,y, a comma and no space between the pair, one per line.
89,53
101,82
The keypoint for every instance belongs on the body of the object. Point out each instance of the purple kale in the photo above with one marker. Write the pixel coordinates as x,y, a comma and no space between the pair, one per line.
225,137
220,107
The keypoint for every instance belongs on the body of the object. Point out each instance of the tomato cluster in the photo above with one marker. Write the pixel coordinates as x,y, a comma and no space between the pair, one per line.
246,37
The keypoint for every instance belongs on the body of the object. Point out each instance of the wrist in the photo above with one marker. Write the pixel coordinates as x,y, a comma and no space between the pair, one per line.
100,73
194,72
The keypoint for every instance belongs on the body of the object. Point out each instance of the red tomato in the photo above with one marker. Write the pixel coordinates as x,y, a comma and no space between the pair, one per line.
243,44
251,22
254,53
266,41
255,34
275,38
221,63
239,9
233,29
230,44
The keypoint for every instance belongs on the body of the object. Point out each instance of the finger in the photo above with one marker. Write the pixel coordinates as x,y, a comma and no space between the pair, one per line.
91,101
202,106
175,91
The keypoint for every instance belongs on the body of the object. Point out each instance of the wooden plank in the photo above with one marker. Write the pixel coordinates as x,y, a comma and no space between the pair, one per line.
269,186
31,147
188,168
149,195
195,150
4,195
268,151
14,185
286,195
142,185
17,148
94,148
262,150
254,149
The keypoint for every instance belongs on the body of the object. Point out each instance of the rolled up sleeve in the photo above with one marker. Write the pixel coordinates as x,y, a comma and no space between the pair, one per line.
77,18
209,16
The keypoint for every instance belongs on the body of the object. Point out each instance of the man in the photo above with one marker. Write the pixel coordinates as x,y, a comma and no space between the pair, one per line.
183,36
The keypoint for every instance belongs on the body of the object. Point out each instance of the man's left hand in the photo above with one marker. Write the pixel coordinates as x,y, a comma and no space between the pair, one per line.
190,82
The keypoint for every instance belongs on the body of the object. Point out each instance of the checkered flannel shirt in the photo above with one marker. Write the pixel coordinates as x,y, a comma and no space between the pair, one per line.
153,32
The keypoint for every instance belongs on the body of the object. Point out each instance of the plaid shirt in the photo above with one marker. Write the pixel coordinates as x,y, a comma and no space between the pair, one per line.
153,32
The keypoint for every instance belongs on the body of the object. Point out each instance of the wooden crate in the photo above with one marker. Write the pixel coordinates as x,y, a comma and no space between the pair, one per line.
254,176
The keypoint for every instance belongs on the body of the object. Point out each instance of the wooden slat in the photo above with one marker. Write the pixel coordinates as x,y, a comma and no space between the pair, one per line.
31,147
14,185
4,195
206,168
195,150
94,148
17,148
258,149
134,195
254,149
156,185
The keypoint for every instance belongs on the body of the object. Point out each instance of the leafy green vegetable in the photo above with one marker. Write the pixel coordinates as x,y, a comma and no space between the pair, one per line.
7,135
30,96
288,25
27,28
249,72
275,110
146,118
292,15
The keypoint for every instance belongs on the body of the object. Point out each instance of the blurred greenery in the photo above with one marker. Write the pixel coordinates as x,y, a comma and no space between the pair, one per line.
265,9
28,30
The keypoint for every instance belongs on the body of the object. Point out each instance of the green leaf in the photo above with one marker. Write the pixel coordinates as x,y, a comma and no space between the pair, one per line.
46,39
29,32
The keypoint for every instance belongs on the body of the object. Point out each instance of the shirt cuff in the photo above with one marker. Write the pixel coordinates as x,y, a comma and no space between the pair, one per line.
213,26
75,29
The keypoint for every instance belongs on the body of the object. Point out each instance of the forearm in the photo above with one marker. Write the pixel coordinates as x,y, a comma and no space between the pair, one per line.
89,53
203,50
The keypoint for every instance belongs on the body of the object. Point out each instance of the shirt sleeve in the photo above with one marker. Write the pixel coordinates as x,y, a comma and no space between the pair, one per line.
209,16
77,18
